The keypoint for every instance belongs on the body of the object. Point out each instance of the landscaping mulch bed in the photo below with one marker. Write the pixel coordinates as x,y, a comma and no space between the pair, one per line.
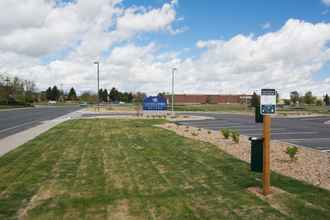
311,166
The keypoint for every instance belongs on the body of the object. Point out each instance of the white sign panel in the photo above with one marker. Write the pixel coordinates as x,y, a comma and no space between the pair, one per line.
268,101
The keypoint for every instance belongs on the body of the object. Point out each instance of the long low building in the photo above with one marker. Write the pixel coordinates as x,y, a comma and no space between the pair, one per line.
210,99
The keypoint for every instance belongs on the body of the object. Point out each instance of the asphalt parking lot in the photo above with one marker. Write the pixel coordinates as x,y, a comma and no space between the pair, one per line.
311,132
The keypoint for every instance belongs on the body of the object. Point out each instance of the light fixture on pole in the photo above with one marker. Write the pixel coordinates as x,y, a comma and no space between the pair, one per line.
172,102
98,84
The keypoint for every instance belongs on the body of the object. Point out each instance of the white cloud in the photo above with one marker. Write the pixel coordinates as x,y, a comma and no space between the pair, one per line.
326,2
277,59
137,19
286,59
266,25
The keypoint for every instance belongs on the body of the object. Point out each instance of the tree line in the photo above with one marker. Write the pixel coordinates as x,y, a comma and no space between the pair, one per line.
308,98
55,94
16,91
295,98
115,96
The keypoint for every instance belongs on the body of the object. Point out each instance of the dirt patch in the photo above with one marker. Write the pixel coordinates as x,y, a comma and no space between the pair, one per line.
281,200
311,166
121,211
45,193
273,199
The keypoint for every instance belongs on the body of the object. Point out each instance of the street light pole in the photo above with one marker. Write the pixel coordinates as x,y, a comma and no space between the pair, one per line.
8,89
173,71
98,84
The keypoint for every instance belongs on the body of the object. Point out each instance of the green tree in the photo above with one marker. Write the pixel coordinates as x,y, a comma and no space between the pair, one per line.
130,97
309,98
319,102
294,97
100,95
72,94
326,100
55,93
162,94
105,95
114,95
49,93
255,100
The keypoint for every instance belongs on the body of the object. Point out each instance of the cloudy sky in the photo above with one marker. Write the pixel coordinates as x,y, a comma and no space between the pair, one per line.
229,46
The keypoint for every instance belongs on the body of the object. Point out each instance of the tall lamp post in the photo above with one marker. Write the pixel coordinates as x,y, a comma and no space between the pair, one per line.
98,85
173,71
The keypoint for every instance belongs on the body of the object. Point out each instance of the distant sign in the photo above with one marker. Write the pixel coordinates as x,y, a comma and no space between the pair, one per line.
268,101
155,103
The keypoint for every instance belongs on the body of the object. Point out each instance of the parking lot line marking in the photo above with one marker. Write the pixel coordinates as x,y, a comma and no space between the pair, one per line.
304,139
241,126
260,129
312,118
280,133
17,126
212,125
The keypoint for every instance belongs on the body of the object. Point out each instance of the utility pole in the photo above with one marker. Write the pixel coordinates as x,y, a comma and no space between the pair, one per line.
173,71
98,84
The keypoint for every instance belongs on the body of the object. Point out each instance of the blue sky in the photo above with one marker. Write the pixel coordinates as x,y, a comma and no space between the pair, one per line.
213,19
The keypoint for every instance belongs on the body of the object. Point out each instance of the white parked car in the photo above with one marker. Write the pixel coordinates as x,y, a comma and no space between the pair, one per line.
51,102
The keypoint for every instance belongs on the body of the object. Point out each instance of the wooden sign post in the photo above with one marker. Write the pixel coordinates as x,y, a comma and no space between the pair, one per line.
267,107
266,155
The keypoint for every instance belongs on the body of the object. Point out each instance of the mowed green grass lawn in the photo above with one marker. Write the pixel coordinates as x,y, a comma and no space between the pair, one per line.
128,169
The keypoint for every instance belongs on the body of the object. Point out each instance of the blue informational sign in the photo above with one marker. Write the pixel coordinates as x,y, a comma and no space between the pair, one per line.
155,103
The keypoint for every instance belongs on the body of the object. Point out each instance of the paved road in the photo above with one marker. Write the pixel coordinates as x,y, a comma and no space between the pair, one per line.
13,121
311,132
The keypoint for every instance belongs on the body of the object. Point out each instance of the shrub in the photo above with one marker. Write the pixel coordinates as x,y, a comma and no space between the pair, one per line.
194,134
209,132
225,132
319,102
292,151
235,136
199,129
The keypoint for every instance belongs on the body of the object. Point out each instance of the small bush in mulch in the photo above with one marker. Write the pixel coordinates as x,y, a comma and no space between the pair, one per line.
292,152
235,136
199,129
209,132
194,134
225,132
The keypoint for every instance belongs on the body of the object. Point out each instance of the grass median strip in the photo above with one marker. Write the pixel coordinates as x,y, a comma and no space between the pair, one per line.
128,169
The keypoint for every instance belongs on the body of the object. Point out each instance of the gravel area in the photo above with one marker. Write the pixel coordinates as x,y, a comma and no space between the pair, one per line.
311,166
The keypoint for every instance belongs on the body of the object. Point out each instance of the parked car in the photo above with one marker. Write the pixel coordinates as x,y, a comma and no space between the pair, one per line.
83,104
51,102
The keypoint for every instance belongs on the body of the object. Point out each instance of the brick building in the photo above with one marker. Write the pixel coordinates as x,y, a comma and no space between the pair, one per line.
210,99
